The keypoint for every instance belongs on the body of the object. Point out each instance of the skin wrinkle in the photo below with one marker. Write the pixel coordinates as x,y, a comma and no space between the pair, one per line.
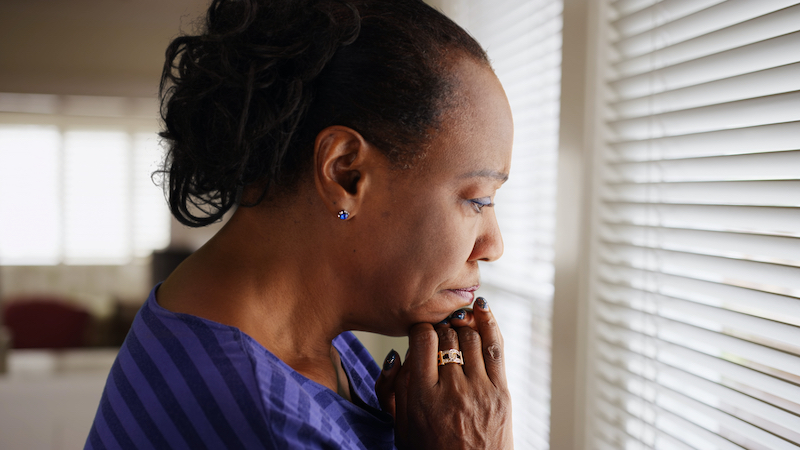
447,334
466,334
495,352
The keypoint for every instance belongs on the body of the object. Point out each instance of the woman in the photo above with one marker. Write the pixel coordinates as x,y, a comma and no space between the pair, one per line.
363,142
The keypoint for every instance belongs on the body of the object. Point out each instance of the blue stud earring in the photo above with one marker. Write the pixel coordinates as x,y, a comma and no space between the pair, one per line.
343,214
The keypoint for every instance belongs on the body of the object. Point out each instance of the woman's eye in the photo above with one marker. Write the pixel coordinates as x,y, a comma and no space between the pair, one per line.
479,203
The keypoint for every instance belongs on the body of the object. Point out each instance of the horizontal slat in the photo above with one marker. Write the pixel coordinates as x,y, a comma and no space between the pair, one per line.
751,328
534,100
620,364
621,8
774,307
526,26
665,421
640,435
711,19
755,247
778,108
758,29
775,52
658,14
676,384
521,282
775,278
758,84
745,219
658,439
753,193
512,19
717,403
729,426
609,427
760,139
769,389
765,359
755,167
623,429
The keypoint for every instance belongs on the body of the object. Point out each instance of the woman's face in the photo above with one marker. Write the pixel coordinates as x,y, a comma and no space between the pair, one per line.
423,230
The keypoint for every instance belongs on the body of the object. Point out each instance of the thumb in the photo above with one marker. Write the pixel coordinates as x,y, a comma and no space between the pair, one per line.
385,385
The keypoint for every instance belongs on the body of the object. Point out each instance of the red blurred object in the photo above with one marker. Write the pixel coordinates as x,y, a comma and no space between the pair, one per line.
45,323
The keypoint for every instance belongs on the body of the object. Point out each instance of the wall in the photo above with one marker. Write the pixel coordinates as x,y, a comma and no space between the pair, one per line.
88,47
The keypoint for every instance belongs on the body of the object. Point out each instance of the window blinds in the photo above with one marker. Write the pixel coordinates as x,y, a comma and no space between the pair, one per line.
523,39
697,301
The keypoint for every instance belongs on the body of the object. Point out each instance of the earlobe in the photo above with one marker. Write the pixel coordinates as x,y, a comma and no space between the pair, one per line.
341,157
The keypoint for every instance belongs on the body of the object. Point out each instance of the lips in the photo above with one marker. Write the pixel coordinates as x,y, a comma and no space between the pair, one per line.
468,293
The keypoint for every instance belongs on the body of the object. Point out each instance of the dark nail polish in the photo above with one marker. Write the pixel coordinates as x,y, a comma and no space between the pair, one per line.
460,314
482,303
388,363
444,322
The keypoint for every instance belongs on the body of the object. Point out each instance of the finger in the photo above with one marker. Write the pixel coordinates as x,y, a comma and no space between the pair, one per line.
421,357
470,342
401,402
385,385
463,318
491,341
448,340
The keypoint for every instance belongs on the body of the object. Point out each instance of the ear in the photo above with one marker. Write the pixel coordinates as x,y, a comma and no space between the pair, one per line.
342,160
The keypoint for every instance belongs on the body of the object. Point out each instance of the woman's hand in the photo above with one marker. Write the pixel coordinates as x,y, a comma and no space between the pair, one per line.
450,406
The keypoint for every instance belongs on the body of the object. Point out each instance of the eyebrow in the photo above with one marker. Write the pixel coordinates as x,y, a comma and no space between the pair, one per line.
487,174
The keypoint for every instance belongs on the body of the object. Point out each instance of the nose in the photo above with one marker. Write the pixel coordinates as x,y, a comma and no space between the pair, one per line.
489,243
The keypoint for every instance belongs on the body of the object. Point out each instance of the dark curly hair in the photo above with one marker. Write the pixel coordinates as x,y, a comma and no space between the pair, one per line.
243,100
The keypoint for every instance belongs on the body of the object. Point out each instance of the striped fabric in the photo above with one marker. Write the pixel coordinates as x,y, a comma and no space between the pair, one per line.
183,382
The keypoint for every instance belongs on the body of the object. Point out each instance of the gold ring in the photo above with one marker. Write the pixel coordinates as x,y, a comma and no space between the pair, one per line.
452,356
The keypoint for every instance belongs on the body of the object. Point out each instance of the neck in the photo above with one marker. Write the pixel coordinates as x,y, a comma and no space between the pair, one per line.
261,275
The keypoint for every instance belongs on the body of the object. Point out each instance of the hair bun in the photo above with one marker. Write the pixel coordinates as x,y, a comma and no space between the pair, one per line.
243,100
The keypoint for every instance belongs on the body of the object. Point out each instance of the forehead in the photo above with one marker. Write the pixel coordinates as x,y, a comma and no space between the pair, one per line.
477,132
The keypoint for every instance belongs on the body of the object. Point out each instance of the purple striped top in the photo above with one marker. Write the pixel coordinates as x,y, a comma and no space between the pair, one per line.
184,382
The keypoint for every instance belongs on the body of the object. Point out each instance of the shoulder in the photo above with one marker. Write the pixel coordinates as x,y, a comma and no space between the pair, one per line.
181,382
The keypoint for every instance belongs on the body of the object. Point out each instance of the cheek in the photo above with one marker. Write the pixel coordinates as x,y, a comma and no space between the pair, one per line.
441,241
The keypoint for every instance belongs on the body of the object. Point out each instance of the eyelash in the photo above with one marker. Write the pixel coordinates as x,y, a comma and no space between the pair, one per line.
479,203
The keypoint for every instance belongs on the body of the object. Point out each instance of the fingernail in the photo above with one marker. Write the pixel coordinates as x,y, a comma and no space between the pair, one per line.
444,322
460,314
388,363
482,303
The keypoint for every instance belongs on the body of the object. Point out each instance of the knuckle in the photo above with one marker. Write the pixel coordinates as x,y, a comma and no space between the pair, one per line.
494,352
422,337
489,322
469,336
447,335
502,405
